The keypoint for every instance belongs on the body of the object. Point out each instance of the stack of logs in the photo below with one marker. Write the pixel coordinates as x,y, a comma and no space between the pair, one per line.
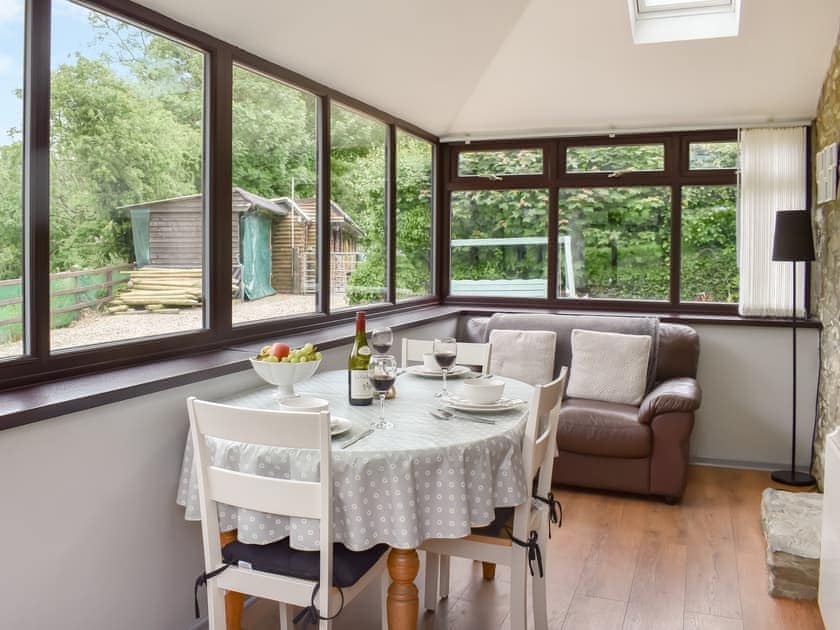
159,290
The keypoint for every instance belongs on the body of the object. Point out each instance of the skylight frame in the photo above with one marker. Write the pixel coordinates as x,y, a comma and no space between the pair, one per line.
649,8
683,20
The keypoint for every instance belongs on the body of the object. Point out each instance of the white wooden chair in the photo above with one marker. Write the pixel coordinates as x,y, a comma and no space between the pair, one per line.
472,354
494,543
302,499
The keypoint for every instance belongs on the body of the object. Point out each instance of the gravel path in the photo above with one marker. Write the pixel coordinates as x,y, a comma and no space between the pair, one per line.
94,327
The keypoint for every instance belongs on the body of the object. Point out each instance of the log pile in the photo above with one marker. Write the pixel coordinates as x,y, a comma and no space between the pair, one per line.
159,290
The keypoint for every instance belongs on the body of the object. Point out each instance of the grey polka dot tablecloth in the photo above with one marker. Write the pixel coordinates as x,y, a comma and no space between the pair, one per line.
424,478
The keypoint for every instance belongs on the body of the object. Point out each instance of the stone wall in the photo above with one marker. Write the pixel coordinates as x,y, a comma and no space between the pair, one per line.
825,278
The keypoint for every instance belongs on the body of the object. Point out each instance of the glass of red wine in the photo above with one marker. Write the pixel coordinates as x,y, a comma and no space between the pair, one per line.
445,350
382,372
381,340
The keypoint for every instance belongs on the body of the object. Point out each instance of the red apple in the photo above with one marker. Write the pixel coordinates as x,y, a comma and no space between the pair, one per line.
279,350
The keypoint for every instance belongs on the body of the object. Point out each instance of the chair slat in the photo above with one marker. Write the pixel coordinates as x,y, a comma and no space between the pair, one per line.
258,426
264,494
477,354
540,447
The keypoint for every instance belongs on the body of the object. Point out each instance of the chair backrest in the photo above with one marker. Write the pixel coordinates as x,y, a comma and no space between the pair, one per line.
526,355
473,354
540,443
306,499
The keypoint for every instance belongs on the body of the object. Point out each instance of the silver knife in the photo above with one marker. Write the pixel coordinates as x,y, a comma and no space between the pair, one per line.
361,435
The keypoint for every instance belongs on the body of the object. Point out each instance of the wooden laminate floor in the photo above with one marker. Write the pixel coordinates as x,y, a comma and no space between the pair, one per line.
624,562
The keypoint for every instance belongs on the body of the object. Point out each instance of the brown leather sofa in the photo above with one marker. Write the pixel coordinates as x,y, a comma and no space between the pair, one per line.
613,446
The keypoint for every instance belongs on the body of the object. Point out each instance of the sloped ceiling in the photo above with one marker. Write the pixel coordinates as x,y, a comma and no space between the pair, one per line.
494,68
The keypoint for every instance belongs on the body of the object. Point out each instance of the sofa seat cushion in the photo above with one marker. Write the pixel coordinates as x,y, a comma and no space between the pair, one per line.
593,427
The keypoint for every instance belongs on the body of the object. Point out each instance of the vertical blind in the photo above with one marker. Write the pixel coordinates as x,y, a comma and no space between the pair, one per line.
772,177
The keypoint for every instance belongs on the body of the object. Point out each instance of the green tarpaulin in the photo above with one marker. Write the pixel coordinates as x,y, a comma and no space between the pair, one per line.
140,236
255,254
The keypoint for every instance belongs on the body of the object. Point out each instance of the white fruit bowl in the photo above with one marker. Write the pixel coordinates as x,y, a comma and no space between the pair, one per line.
285,375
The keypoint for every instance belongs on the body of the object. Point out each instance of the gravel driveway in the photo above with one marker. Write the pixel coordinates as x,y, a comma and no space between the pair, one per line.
94,327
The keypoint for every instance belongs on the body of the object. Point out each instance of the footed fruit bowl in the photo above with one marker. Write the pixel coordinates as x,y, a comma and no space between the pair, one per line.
285,375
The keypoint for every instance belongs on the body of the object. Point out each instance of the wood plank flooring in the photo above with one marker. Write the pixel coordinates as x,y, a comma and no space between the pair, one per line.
627,563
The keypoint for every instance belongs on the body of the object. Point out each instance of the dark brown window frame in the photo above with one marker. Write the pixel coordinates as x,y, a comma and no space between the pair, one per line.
38,364
675,175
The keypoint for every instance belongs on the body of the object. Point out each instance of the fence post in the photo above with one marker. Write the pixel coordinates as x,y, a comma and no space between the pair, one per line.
109,288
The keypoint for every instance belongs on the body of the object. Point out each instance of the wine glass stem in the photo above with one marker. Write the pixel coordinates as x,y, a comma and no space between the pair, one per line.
445,392
382,408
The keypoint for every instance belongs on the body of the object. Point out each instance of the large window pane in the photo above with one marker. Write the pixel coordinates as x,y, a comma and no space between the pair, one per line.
499,240
614,242
11,178
709,264
357,215
275,218
414,216
126,210
619,157
500,163
712,155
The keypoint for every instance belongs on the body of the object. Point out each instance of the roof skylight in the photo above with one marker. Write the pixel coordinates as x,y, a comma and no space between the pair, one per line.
654,21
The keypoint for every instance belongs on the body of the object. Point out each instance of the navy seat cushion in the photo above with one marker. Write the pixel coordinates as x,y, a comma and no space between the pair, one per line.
280,558
497,529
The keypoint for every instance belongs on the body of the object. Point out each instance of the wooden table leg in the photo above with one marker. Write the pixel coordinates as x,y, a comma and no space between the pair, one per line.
403,602
233,601
488,570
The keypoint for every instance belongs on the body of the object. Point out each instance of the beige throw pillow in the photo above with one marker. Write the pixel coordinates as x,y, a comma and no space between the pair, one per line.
607,366
526,355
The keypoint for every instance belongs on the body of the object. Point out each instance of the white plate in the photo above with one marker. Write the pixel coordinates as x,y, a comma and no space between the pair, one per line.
339,425
419,370
503,404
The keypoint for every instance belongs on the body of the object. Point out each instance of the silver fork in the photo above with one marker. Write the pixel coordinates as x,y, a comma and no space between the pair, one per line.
443,414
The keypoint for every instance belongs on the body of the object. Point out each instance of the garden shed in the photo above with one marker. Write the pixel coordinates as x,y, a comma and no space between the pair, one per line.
274,241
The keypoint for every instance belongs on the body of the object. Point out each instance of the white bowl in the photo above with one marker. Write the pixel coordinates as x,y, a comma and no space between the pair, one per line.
304,403
284,375
482,390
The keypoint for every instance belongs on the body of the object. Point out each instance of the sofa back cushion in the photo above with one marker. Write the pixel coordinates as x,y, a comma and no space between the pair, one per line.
610,367
564,324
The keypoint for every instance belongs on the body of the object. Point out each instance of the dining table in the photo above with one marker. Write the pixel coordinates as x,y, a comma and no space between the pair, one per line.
424,478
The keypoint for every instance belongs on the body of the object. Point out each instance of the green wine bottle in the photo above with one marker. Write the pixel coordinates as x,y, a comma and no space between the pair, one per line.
359,388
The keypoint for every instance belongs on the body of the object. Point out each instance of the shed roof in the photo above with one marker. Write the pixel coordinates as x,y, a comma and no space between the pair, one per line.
338,217
250,201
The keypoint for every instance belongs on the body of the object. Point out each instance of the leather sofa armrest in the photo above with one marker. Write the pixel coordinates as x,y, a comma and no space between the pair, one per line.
673,395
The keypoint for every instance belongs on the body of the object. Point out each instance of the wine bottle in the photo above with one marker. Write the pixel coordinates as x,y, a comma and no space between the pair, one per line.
360,390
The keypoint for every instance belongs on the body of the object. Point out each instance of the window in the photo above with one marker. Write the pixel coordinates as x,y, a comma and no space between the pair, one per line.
357,209
11,178
617,204
274,202
498,240
615,242
712,155
609,159
494,164
126,203
653,21
647,6
414,216
709,264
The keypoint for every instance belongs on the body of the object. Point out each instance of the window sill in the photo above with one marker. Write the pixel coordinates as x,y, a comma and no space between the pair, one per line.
48,400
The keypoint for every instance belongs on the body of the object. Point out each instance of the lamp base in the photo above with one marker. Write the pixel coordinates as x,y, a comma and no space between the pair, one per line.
793,478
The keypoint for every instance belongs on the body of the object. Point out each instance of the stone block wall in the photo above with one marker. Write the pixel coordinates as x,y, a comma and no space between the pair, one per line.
825,276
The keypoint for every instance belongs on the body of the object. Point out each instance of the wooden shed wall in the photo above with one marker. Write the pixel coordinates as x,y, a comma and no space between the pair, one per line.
287,266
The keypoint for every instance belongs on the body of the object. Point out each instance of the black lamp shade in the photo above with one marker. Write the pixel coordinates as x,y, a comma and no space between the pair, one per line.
793,239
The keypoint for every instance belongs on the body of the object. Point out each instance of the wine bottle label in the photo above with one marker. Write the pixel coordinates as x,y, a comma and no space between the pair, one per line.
364,351
360,387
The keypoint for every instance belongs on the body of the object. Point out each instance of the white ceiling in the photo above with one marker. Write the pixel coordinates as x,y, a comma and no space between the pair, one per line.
495,68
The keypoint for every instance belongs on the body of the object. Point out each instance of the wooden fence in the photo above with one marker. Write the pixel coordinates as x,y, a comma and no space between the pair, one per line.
107,285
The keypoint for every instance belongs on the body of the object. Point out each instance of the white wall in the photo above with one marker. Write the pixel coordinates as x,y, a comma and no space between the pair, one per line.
93,538
745,373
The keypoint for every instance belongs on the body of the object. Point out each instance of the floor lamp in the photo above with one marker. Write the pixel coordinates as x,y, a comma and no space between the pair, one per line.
793,241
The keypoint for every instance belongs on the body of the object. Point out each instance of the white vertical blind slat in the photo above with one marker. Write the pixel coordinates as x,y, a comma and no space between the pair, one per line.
772,178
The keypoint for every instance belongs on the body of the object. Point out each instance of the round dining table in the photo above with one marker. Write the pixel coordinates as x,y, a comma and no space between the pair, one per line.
424,478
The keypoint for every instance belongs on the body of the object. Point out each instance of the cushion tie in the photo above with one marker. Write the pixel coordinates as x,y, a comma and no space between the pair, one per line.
311,614
201,580
533,548
555,510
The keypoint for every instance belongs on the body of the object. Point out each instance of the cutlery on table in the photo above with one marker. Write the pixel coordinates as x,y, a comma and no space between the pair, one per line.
443,414
361,436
